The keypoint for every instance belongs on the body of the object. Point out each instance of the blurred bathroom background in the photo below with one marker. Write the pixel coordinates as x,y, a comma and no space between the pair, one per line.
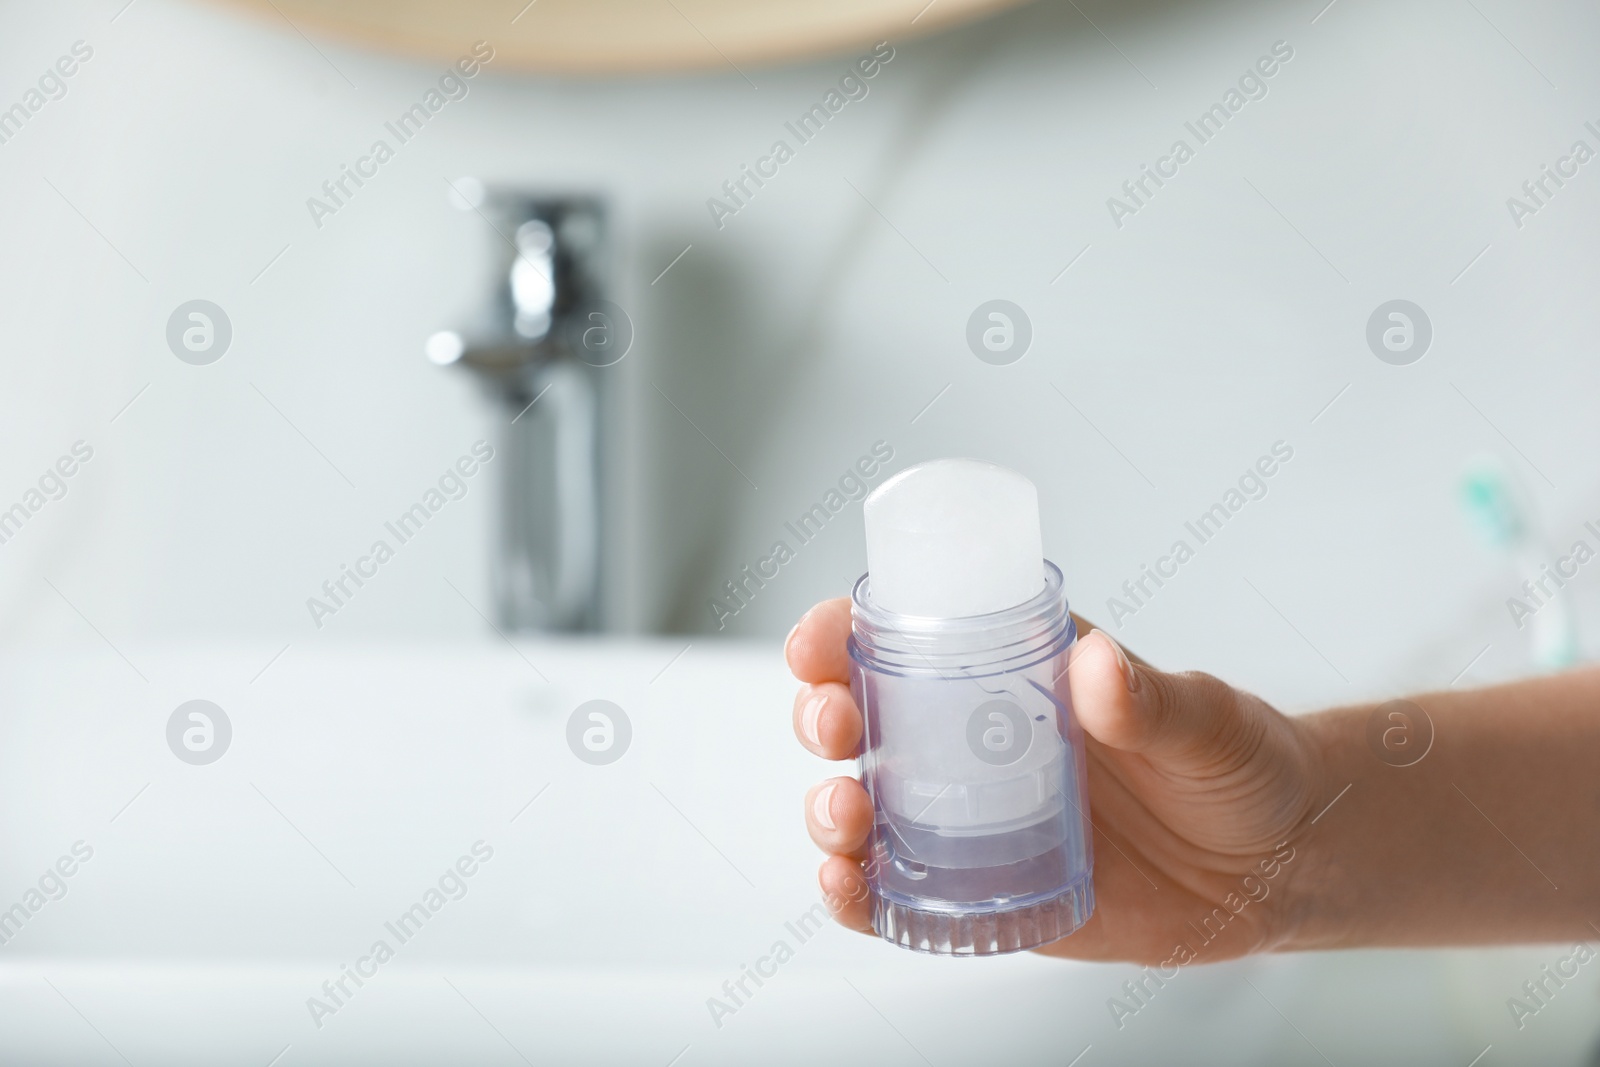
1173,344
825,316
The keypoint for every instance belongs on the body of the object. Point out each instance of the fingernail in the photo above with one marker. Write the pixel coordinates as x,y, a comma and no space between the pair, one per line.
810,716
787,641
821,805
1130,677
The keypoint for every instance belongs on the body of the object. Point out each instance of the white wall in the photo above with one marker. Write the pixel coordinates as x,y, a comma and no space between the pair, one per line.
816,320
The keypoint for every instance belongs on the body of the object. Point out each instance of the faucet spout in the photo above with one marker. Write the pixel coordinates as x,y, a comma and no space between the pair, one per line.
550,331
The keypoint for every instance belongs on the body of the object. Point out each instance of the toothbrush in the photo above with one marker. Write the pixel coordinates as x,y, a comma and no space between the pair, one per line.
1499,510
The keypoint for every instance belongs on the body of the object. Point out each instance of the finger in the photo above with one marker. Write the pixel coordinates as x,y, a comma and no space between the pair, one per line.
1140,709
826,720
839,815
816,646
844,891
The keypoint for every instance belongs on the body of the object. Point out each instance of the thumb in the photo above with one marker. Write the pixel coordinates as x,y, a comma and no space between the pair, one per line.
1140,709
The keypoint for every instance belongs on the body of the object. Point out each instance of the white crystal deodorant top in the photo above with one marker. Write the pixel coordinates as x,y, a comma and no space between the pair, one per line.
953,538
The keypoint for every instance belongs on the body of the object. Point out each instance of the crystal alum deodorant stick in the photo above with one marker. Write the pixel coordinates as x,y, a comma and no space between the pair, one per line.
973,759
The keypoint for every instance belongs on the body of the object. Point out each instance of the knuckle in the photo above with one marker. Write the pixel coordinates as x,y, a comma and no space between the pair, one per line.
1166,701
1228,725
1203,708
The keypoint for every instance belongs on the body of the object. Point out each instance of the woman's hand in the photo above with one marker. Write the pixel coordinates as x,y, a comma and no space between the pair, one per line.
1195,791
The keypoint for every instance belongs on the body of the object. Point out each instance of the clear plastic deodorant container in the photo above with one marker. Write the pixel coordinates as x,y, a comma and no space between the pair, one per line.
972,756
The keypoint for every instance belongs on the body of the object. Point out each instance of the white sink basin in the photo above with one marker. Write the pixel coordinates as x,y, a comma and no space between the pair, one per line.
219,898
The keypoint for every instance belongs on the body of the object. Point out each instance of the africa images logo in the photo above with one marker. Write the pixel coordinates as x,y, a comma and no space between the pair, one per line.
999,732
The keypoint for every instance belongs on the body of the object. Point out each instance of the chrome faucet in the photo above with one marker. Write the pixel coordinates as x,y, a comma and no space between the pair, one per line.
540,351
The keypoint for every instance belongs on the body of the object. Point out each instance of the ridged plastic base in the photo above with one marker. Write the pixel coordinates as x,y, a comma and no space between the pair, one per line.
988,933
